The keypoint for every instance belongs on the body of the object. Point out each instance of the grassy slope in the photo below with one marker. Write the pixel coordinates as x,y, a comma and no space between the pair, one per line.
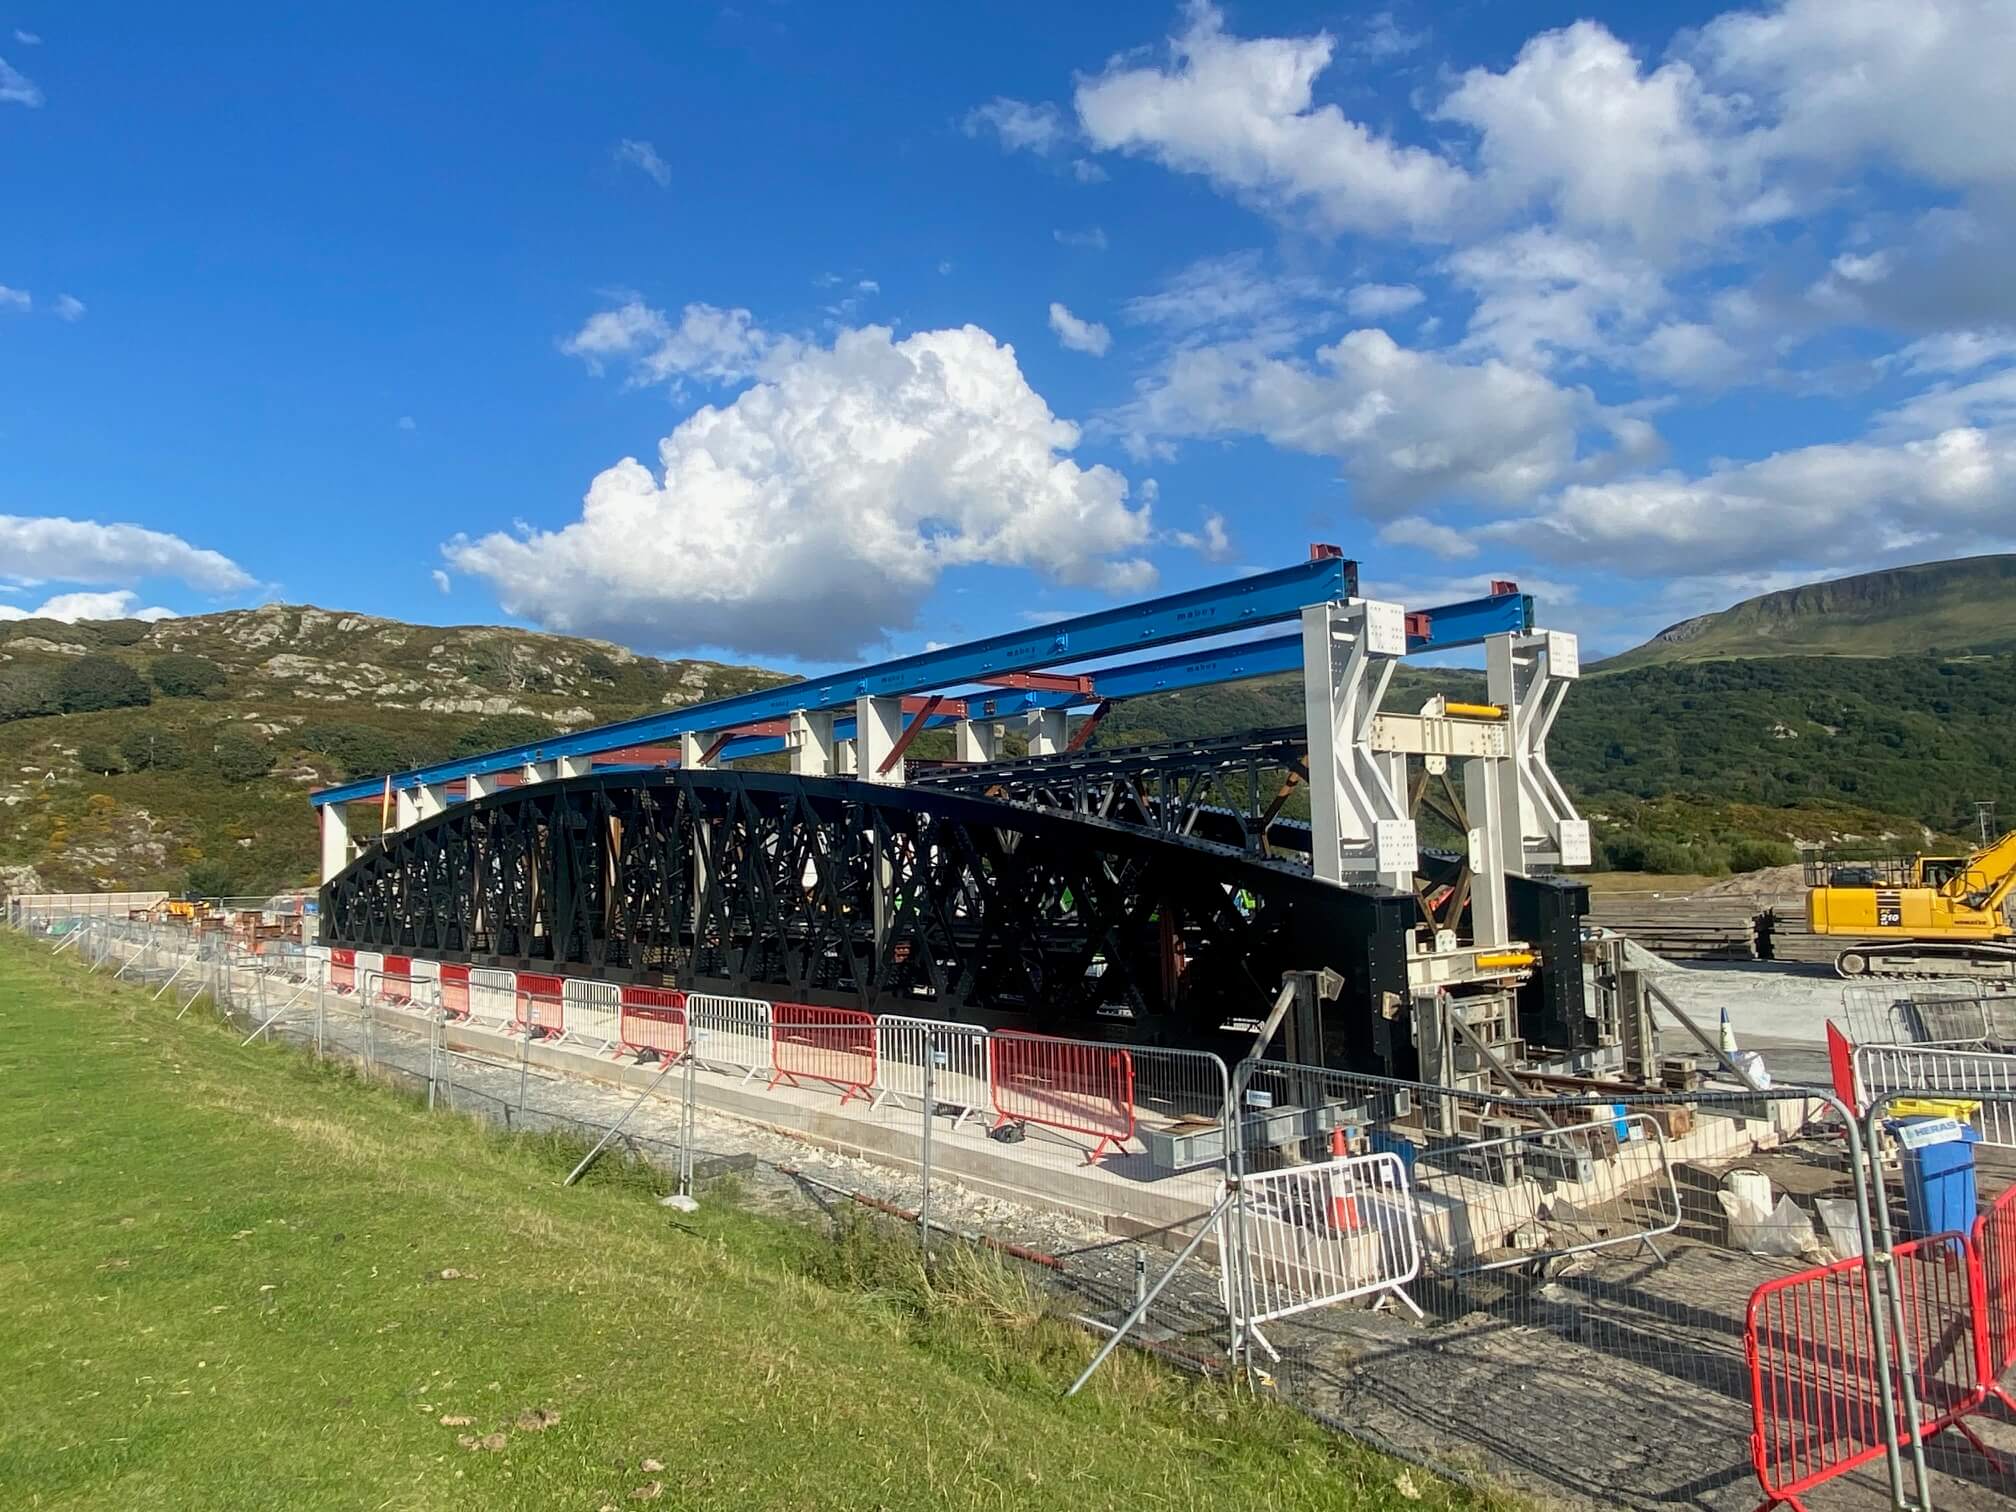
1965,604
225,1290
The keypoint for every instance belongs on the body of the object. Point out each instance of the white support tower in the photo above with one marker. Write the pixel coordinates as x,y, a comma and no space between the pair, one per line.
1528,677
878,726
430,799
976,740
1361,828
405,809
1049,732
810,739
693,749
335,839
482,785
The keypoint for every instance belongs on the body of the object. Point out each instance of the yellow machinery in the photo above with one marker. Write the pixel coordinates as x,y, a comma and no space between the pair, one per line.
1938,916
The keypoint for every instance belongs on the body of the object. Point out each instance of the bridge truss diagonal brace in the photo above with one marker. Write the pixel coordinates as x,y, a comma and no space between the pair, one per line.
1360,822
1528,677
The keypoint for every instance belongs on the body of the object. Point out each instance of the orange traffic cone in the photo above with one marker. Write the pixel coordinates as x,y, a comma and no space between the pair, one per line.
1343,1207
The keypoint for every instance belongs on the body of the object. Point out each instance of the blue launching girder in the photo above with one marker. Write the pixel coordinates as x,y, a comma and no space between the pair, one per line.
1450,628
1219,609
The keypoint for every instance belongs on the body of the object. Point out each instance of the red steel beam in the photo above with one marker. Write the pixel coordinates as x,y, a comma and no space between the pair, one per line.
911,731
1084,731
1042,682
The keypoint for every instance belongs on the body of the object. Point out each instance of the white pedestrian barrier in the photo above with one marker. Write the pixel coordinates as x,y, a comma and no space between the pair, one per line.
1939,1072
958,1057
1318,1235
493,996
729,1031
591,1013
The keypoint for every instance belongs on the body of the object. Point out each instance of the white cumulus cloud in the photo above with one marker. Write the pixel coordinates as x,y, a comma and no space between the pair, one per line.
722,346
72,607
812,515
442,581
1405,425
1242,112
50,548
69,307
15,299
1213,542
1087,336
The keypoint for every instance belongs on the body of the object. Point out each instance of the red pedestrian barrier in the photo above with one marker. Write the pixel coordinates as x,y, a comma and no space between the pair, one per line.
455,991
395,982
343,970
538,1008
652,1021
834,1045
1816,1408
1063,1084
1995,1295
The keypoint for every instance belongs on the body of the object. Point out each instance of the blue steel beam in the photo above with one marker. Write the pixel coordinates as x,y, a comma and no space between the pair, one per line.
1219,609
1450,628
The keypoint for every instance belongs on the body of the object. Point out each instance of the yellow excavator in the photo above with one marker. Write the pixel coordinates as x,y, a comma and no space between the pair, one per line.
1920,916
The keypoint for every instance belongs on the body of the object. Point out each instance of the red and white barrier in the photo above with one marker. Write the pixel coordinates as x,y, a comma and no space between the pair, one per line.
834,1045
1068,1085
652,1022
342,970
454,990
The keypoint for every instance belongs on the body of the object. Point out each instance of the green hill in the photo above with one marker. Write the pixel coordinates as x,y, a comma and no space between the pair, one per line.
1968,604
179,754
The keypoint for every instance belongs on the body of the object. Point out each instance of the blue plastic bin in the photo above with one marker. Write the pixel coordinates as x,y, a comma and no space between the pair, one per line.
1939,1193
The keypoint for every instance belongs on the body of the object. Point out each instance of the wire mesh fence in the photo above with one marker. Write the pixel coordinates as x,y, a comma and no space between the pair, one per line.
1659,1298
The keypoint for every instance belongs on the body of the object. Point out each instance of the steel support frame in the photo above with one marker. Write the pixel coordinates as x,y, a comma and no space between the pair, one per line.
1361,828
1528,677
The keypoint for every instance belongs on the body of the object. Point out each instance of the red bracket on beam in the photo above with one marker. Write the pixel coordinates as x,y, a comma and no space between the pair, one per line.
1417,625
1084,731
707,756
1502,586
911,731
1042,682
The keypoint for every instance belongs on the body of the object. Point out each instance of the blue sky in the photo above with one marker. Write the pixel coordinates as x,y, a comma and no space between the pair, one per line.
796,333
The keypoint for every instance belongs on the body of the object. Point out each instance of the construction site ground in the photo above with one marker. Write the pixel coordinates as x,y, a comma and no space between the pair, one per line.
1611,1378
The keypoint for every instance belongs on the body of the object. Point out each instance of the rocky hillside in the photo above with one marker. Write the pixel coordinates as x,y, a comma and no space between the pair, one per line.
1965,605
180,752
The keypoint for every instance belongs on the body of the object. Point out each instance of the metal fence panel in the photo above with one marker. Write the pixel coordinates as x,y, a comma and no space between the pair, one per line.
1941,1072
1317,1235
958,1056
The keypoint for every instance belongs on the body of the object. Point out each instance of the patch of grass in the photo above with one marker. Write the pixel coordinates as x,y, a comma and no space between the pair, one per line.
235,1279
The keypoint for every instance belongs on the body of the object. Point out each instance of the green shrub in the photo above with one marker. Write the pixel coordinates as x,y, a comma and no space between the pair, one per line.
91,683
180,675
502,730
28,691
357,750
149,749
96,756
239,757
1755,855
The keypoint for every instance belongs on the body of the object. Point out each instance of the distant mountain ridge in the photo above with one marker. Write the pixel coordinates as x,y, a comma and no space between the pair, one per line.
1964,605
